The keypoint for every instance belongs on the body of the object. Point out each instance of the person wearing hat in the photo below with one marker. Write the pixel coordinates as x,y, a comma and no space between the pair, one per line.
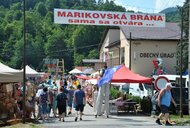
164,101
39,92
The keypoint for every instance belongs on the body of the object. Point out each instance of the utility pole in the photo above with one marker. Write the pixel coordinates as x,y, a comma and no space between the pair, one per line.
24,62
130,51
181,96
119,55
189,57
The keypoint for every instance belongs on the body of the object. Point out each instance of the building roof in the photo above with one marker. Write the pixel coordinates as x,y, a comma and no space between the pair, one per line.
105,33
171,31
113,44
92,61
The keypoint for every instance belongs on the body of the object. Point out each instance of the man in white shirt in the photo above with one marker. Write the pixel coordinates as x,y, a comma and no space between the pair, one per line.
39,92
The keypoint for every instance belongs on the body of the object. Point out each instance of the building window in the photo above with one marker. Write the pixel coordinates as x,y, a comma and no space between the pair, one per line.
122,55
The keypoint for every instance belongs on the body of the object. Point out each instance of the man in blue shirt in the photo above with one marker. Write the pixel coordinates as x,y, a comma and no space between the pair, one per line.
79,97
164,101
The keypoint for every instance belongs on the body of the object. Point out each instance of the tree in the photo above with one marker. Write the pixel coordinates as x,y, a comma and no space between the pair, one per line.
185,37
100,1
44,37
30,4
17,59
78,58
41,9
93,54
49,5
185,43
1,40
17,15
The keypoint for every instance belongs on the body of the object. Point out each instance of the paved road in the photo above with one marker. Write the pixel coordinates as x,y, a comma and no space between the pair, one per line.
89,121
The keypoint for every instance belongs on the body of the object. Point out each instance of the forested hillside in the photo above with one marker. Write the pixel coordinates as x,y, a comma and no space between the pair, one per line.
172,14
44,38
48,40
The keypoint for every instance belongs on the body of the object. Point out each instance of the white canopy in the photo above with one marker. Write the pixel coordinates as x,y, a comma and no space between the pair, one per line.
7,69
31,72
8,74
75,71
89,71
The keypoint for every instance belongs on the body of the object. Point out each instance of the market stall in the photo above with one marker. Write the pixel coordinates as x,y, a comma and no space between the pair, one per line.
75,71
9,78
8,74
88,71
124,75
31,72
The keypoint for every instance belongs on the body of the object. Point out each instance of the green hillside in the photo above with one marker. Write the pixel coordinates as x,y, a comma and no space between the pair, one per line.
172,14
44,38
48,40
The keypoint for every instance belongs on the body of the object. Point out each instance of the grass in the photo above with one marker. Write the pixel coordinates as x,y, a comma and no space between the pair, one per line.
181,121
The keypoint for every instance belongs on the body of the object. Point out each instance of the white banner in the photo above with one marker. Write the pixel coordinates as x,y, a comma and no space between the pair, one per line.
85,17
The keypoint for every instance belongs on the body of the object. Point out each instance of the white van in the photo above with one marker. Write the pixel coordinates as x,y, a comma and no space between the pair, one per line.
136,89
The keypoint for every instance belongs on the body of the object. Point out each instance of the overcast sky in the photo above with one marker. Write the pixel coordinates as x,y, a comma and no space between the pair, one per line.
149,6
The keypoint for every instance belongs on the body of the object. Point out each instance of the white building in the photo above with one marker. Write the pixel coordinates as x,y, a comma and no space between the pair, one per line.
138,51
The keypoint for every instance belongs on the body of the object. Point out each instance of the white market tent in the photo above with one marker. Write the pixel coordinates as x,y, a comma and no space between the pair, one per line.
89,71
75,71
7,69
31,72
8,74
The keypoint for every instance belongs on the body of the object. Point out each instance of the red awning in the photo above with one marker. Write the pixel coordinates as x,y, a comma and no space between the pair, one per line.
126,76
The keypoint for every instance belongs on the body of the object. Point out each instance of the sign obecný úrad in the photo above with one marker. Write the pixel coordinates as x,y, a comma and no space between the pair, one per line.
86,17
157,55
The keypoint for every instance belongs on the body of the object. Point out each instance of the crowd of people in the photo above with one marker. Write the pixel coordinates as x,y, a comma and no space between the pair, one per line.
54,100
60,100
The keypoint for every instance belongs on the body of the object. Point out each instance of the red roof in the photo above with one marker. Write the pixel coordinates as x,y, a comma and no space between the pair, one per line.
126,76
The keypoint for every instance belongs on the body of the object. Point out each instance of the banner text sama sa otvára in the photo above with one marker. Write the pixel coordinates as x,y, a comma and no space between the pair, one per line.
85,17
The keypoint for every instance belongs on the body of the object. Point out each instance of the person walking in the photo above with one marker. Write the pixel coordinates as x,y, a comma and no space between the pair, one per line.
43,99
55,92
49,81
70,99
154,103
50,100
39,92
164,101
79,97
61,104
65,83
61,82
103,96
95,95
